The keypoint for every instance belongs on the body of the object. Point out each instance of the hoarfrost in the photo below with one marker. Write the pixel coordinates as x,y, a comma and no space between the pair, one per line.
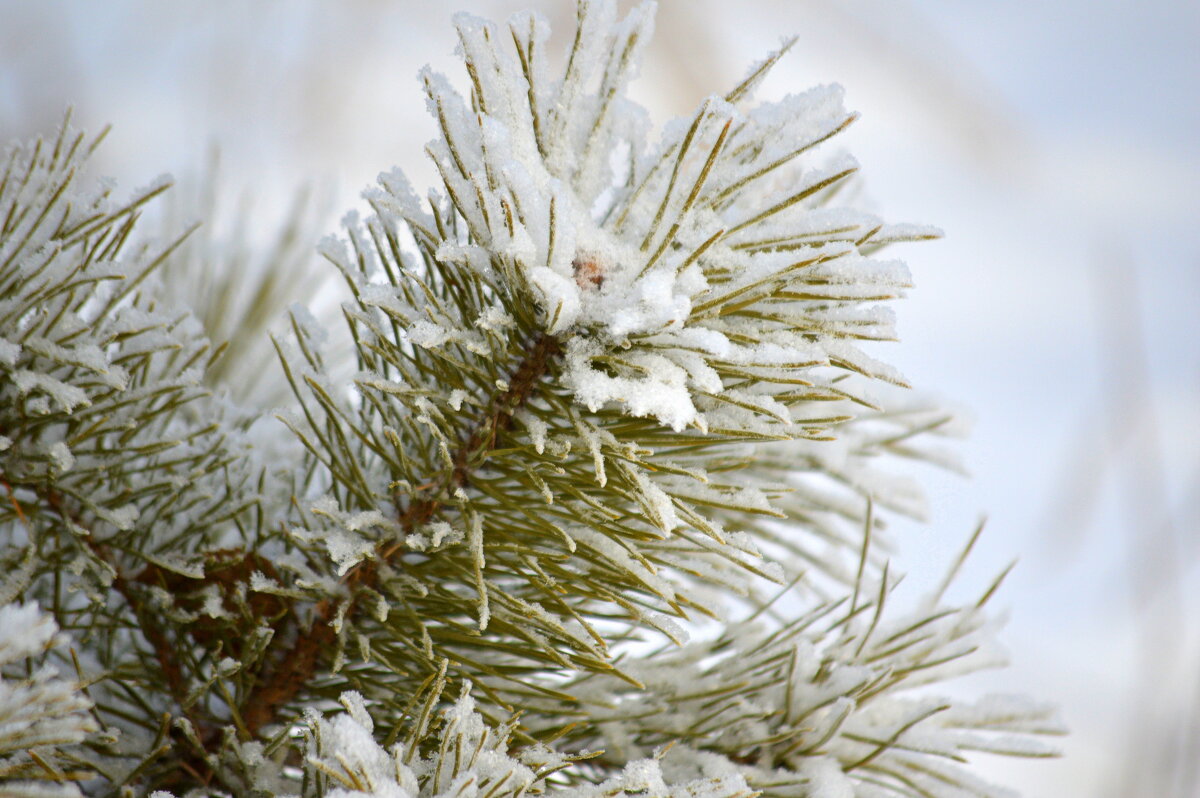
66,396
661,394
537,431
364,520
825,779
457,397
122,517
494,319
346,550
41,709
61,455
9,352
443,534
261,583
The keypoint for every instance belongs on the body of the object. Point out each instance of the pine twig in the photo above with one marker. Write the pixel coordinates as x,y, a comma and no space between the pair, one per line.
299,664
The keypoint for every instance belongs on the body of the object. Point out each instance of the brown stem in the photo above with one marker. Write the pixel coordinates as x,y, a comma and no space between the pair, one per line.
164,652
294,670
297,666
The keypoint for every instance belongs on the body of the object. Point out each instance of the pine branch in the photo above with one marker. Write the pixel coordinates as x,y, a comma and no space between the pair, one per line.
594,390
300,663
116,461
497,418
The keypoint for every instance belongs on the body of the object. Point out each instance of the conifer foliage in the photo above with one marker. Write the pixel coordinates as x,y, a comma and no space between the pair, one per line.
597,394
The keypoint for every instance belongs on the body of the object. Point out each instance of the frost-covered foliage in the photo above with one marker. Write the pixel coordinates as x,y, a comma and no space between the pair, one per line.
608,389
683,314
472,759
130,491
835,702
102,417
39,710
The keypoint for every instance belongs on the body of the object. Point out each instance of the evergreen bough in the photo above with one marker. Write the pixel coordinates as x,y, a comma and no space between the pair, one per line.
593,397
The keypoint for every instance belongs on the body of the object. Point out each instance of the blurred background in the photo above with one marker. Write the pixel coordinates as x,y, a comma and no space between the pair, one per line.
1058,145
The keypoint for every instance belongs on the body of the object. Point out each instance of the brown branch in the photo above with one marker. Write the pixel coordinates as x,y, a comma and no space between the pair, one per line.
12,497
295,669
164,651
297,666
